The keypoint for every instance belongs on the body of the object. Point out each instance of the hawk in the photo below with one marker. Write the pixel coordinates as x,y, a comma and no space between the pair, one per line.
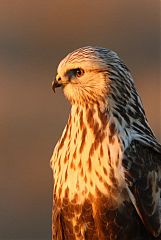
107,163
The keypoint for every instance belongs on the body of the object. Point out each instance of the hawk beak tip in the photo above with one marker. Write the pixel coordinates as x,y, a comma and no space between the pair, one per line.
55,85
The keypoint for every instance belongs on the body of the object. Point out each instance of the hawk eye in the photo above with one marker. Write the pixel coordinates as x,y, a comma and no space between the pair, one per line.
78,72
75,73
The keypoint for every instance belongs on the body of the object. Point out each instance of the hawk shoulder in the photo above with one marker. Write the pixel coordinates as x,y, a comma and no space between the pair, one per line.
142,166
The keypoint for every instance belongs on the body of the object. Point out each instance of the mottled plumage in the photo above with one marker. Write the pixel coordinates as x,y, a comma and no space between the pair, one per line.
107,163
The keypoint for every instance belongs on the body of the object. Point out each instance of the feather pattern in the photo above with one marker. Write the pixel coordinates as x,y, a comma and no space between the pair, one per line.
107,163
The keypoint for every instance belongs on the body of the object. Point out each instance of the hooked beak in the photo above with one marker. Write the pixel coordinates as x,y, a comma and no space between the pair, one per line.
56,83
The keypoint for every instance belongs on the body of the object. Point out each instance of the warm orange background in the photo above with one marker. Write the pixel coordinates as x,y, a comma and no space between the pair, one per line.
34,36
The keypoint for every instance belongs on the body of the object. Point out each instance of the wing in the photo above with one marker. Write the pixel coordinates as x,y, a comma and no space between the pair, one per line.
56,224
142,167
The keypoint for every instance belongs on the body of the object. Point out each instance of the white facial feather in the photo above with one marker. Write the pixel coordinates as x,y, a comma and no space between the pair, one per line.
92,85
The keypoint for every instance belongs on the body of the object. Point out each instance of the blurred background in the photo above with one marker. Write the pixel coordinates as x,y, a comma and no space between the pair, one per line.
34,36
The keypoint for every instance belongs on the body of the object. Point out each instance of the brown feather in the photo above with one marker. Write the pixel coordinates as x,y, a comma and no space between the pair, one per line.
143,175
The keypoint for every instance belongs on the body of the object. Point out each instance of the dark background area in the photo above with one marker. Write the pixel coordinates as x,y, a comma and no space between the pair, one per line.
34,36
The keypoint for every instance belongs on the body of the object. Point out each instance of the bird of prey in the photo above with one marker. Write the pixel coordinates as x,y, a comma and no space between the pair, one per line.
107,163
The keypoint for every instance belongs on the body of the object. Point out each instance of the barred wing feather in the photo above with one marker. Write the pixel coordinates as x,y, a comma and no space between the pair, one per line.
143,176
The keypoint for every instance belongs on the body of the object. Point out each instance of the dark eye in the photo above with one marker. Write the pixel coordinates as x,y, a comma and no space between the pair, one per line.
78,72
75,73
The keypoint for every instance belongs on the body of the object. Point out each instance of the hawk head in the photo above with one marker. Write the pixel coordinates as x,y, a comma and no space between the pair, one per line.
90,74
94,75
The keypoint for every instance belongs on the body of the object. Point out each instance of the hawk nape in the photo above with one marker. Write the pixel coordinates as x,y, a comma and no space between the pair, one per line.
107,163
